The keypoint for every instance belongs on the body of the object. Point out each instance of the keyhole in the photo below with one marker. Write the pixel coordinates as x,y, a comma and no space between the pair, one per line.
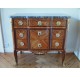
39,33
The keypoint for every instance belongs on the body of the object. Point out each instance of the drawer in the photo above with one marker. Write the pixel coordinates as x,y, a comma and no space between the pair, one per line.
59,22
39,44
21,34
21,44
39,34
57,44
21,38
58,34
39,39
39,22
20,22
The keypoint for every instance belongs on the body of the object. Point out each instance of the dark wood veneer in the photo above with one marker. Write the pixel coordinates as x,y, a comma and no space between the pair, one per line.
26,35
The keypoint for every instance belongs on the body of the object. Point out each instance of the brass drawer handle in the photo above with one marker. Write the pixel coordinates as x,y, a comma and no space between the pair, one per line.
57,35
20,23
39,23
39,33
58,23
21,35
21,43
39,45
57,44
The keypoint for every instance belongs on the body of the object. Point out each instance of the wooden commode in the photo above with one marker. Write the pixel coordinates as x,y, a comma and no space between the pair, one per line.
39,34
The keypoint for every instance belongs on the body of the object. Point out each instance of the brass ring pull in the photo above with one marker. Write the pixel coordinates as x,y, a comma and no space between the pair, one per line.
39,23
22,43
20,23
21,35
58,23
57,44
57,35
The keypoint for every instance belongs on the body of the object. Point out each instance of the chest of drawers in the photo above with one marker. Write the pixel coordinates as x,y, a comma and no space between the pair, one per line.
39,33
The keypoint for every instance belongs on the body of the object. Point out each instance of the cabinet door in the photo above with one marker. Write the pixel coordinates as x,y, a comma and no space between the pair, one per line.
39,39
57,39
21,39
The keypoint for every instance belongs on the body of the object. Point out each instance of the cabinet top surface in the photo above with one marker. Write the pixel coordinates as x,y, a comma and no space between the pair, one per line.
39,15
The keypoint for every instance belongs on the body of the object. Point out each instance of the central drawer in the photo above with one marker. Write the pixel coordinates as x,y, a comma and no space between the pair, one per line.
37,22
39,39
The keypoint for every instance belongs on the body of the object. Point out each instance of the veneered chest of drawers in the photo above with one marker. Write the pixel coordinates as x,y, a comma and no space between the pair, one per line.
39,34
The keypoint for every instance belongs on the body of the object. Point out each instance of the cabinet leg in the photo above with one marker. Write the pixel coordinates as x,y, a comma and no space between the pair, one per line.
16,58
20,52
58,52
63,58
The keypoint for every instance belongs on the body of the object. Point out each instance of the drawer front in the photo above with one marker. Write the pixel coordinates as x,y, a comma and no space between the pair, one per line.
57,39
58,34
21,39
57,44
39,22
21,34
20,22
39,39
58,22
21,44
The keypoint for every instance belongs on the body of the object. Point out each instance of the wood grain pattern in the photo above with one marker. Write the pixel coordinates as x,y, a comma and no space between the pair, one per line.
38,61
23,39
42,39
58,34
24,21
63,22
19,46
23,31
57,37
57,41
34,22
39,34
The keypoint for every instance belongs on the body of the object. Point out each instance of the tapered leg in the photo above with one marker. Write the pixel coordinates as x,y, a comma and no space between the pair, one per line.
16,58
20,52
58,52
63,57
